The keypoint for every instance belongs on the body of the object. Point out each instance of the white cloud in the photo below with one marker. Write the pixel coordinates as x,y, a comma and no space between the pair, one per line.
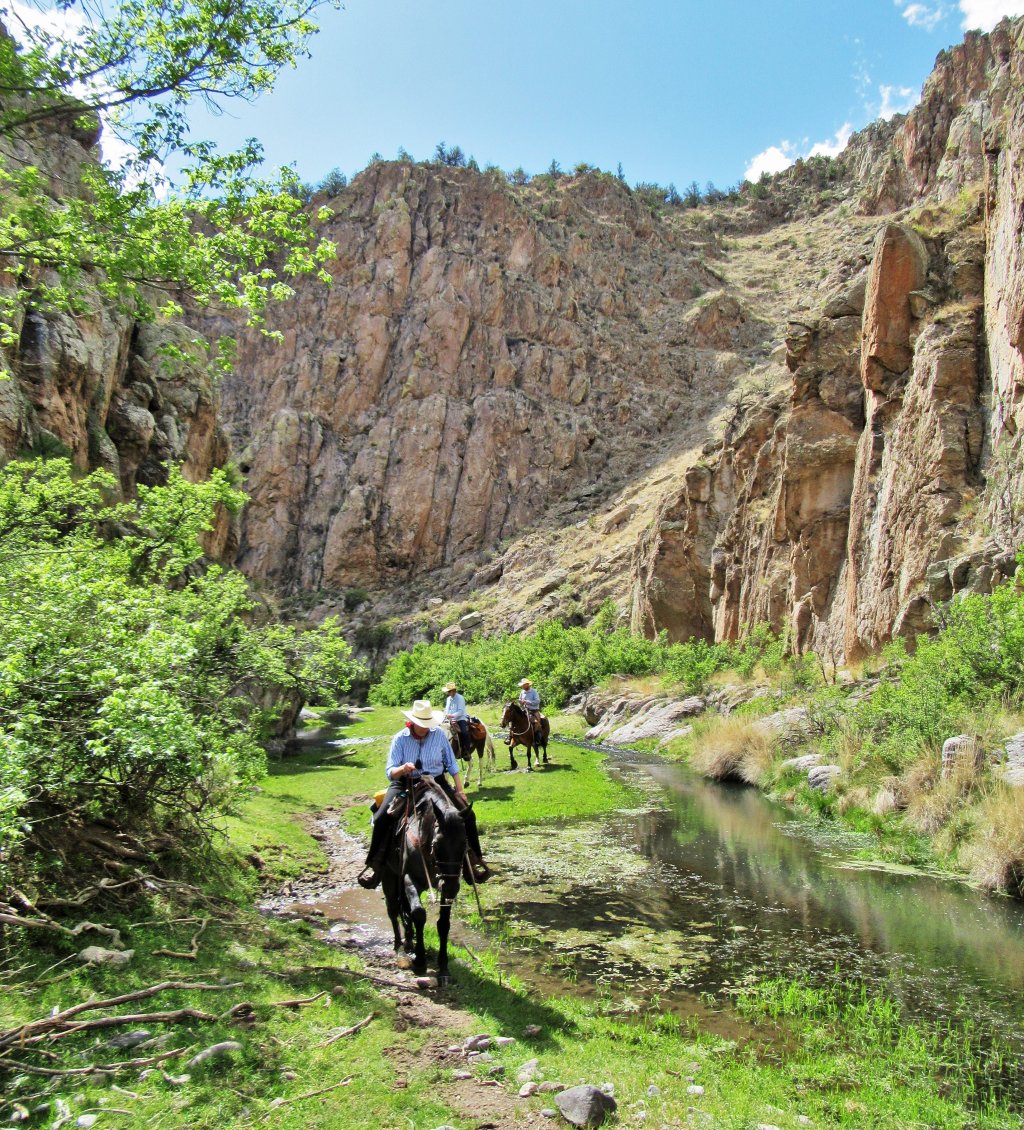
778,157
834,147
896,100
922,15
771,160
985,14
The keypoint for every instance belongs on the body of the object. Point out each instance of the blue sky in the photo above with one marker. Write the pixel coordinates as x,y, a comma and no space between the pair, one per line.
675,90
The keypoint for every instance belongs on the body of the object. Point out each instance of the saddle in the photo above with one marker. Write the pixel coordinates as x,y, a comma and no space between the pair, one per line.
477,730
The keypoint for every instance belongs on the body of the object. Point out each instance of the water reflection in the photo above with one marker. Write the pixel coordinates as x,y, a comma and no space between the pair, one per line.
733,888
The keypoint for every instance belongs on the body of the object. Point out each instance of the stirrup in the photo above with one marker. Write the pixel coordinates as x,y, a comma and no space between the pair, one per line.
369,877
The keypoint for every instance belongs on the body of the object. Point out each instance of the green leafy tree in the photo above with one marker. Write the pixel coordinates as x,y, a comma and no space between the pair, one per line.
216,232
136,683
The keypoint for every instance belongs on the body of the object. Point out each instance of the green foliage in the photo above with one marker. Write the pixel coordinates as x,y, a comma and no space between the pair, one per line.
130,235
976,659
134,689
562,660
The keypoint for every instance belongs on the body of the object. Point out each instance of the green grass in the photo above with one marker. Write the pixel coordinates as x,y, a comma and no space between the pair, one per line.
840,1058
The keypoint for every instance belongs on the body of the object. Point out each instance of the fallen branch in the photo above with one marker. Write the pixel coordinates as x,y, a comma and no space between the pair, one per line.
174,1016
109,1068
277,1103
26,1033
47,923
299,1001
193,945
348,1031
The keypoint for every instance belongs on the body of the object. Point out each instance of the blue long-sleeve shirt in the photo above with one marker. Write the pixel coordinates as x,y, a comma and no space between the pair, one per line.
455,707
434,754
530,699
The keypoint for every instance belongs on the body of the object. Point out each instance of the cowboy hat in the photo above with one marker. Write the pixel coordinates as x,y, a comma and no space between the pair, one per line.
525,683
451,687
422,714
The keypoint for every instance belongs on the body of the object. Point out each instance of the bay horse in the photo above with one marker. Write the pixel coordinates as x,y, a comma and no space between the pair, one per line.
427,852
521,732
479,743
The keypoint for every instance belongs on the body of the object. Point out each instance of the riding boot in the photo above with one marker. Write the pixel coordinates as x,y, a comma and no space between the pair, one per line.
371,874
474,853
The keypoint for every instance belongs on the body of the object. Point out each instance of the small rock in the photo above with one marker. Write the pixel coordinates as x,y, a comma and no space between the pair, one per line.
225,1047
480,1057
289,1075
766,1126
547,1112
504,1041
529,1070
97,955
528,1089
607,1088
585,1106
426,982
176,1080
454,1049
653,1090
129,1039
804,1120
496,1069
551,1087
462,1074
86,1120
532,1030
477,1043
695,1089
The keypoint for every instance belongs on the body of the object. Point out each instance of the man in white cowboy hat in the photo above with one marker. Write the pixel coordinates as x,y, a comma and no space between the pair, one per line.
419,747
455,711
529,699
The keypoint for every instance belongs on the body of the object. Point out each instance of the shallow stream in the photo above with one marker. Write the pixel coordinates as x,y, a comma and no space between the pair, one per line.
705,887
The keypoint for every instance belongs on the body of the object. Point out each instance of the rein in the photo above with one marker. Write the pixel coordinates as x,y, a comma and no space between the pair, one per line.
518,734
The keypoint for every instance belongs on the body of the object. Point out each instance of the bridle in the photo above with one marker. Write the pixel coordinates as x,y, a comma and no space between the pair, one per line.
528,729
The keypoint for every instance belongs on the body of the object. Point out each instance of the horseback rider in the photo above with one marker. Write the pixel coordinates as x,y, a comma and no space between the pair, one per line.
529,699
419,747
455,712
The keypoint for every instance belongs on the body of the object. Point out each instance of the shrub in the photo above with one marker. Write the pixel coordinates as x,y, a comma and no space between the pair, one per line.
134,690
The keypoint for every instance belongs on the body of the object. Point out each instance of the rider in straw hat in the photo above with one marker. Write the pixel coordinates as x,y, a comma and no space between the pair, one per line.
530,700
455,711
419,747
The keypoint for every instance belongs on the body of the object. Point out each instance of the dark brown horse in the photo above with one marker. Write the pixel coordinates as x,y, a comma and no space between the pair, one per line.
521,731
479,743
427,853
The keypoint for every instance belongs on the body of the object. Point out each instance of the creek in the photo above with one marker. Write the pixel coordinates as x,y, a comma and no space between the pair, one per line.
703,888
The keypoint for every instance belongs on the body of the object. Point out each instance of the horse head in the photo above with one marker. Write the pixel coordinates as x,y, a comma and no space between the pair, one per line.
512,710
444,841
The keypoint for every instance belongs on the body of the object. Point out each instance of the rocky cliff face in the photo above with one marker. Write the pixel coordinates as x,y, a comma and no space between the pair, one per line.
97,386
888,475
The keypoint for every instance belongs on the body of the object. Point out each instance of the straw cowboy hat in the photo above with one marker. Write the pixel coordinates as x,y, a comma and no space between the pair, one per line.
450,687
422,714
525,683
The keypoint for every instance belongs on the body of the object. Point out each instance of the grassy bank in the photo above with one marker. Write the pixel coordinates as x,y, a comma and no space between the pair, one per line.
799,1057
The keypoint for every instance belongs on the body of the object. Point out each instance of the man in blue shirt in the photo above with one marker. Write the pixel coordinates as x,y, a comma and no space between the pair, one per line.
455,711
530,700
419,747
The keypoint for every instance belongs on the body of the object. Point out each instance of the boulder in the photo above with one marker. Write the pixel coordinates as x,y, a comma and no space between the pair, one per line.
585,1105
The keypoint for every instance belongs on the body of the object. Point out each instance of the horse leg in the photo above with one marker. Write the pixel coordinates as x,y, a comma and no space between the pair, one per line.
416,921
512,757
444,921
489,746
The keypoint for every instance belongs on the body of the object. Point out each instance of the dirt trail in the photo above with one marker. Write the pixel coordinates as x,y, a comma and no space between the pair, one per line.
356,919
